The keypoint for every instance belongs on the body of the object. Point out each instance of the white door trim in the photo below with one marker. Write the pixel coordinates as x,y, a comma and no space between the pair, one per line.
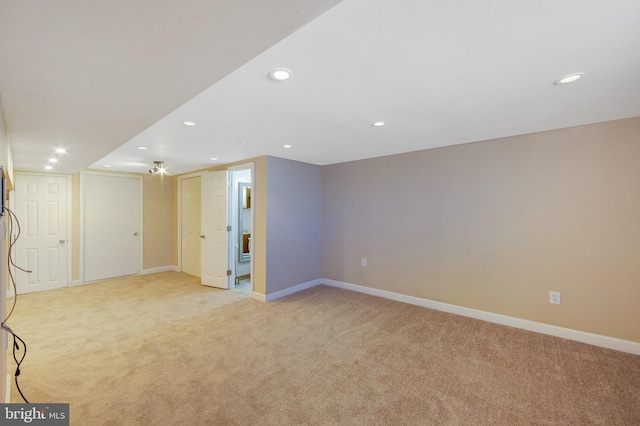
81,216
69,222
246,166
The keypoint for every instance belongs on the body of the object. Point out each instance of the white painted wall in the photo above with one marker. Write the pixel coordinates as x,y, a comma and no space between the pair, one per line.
3,312
5,160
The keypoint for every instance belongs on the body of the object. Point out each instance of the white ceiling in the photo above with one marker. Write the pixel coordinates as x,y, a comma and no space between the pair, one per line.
438,73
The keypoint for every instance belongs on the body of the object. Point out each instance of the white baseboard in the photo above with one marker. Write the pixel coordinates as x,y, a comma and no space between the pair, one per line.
160,269
75,283
259,296
538,327
291,290
70,284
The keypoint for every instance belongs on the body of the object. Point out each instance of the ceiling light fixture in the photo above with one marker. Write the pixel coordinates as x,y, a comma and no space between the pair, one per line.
53,160
214,158
569,78
158,168
48,167
107,165
61,150
189,123
378,124
142,147
286,146
280,74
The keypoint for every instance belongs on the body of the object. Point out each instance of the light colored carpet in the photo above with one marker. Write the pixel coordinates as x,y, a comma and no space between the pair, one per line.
163,350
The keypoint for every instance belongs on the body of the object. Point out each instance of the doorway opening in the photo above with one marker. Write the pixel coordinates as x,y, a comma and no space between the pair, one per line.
241,218
216,222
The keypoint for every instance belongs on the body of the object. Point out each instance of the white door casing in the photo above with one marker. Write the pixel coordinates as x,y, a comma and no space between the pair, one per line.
237,174
214,234
111,217
42,208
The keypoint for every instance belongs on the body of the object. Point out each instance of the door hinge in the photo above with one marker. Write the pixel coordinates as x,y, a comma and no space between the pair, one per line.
228,272
229,228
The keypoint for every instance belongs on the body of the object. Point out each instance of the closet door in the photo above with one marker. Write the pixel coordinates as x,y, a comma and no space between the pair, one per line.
190,225
112,225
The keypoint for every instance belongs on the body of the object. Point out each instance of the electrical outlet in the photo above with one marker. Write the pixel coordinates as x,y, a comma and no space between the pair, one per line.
554,297
364,261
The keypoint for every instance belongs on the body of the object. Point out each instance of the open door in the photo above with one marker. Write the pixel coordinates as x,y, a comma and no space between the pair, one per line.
214,233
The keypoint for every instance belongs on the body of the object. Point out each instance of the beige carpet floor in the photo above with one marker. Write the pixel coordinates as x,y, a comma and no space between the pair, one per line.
163,350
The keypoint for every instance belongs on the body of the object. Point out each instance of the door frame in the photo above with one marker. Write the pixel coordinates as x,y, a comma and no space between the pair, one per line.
232,250
81,216
11,201
244,166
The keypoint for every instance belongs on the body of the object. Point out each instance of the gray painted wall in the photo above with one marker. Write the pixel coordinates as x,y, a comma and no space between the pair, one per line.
294,223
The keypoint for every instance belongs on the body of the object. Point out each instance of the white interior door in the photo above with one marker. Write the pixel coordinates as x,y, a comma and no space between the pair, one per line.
41,206
112,225
190,225
214,229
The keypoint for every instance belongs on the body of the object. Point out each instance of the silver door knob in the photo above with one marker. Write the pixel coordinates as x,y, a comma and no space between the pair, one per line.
135,234
62,241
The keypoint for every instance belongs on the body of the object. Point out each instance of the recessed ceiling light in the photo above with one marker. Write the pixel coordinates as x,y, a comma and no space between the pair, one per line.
53,160
61,150
107,165
280,74
569,78
286,146
189,123
214,158
48,167
378,124
142,147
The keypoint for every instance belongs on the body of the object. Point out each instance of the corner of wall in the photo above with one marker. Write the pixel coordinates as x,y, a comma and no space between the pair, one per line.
7,163
293,223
